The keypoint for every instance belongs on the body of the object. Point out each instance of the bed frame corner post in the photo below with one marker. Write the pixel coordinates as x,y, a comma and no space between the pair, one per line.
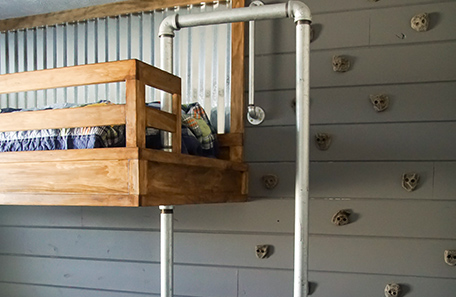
135,113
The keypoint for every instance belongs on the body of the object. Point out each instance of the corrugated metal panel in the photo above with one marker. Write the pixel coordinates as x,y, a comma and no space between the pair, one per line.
202,57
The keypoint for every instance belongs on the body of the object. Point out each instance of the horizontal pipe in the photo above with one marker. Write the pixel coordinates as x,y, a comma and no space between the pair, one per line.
293,9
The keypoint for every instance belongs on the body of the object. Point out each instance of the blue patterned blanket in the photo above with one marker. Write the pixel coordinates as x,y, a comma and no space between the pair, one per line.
198,135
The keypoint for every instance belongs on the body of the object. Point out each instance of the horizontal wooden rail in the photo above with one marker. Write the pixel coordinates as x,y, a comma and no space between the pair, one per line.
67,76
157,78
89,74
161,120
88,116
231,139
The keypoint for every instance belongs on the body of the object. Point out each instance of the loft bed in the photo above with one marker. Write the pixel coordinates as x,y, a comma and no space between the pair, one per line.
139,176
123,176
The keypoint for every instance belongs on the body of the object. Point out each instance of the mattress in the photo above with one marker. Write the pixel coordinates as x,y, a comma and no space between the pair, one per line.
198,135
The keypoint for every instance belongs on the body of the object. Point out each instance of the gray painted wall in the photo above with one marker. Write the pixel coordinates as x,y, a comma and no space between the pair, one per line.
395,236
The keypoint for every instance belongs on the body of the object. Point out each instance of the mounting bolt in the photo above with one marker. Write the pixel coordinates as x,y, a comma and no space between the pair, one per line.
270,181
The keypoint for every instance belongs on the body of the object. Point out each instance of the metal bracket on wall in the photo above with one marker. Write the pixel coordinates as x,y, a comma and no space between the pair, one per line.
270,181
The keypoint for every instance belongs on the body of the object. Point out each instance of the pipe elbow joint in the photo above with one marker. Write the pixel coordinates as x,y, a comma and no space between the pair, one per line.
299,11
168,26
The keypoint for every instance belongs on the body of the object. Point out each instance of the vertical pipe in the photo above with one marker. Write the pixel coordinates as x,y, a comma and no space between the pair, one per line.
166,63
251,63
166,226
166,251
302,159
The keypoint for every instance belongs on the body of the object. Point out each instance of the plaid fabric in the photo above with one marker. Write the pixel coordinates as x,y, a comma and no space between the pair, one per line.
62,139
195,119
198,137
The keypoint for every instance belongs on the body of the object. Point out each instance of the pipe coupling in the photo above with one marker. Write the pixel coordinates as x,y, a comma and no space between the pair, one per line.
298,11
168,26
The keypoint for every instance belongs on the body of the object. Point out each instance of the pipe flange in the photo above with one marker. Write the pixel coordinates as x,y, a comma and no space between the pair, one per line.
259,117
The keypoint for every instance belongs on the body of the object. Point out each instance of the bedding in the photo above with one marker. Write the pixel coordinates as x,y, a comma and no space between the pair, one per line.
198,135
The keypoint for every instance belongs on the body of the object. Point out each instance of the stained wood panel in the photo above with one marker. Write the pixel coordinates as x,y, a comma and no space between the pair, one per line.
408,103
201,184
370,66
59,177
358,142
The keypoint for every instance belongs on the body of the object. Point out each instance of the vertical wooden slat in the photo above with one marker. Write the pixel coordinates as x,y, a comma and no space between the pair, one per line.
237,83
138,177
177,137
135,114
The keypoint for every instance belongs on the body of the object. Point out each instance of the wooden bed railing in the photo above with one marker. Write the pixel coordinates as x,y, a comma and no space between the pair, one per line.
134,114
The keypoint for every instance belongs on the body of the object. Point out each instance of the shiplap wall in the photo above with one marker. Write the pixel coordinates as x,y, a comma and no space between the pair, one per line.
395,236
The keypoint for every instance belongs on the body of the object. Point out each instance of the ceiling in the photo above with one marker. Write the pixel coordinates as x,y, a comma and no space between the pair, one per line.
17,8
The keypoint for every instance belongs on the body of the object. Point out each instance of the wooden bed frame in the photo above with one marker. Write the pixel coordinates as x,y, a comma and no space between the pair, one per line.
129,176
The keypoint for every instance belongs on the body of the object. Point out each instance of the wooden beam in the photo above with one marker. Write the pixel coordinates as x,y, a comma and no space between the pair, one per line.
237,84
230,139
177,135
160,120
70,155
158,78
80,75
135,114
91,12
188,160
89,116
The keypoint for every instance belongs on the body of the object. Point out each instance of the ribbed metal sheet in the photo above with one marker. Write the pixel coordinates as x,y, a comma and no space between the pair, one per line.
202,57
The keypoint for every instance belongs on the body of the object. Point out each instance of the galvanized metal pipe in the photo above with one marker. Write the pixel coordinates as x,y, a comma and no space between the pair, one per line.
166,63
302,16
251,105
302,159
166,251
